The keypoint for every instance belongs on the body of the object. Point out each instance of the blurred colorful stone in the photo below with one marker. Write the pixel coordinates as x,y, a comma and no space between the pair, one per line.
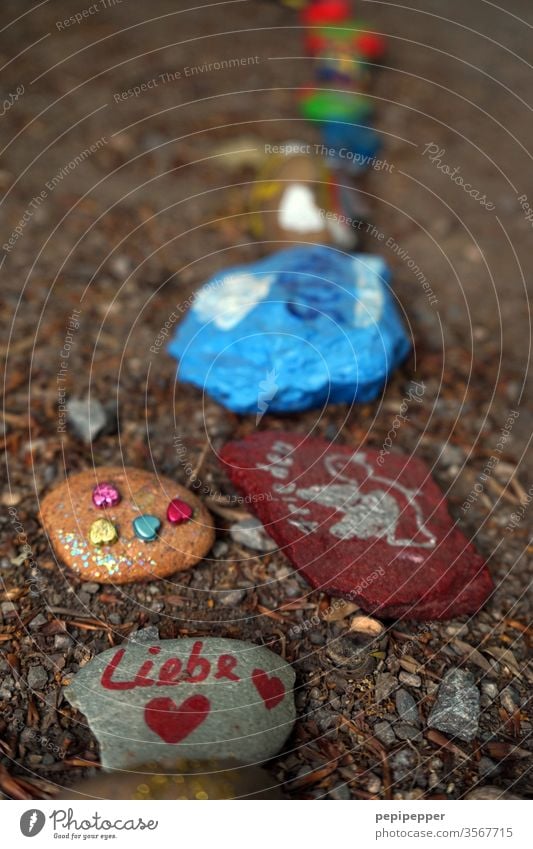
198,780
178,511
105,495
299,329
190,697
350,35
371,527
350,148
146,527
67,514
343,67
102,532
326,12
318,104
290,200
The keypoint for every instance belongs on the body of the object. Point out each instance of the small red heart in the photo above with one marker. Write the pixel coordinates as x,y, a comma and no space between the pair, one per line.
178,511
173,723
271,690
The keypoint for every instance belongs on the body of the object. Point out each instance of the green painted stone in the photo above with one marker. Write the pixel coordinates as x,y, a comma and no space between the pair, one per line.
322,105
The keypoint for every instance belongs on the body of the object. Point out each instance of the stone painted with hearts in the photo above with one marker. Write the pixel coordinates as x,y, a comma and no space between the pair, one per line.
138,543
300,329
193,698
358,523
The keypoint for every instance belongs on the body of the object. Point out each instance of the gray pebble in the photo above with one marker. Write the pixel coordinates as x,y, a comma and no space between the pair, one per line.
251,533
38,622
62,642
385,685
456,711
406,731
37,677
383,731
410,679
406,707
340,793
220,548
115,618
231,598
90,587
88,418
487,767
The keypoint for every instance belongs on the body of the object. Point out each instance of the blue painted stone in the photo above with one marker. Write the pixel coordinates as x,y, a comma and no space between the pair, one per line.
304,327
355,146
146,527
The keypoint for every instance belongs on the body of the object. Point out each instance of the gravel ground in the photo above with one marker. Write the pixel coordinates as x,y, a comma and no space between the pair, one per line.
126,235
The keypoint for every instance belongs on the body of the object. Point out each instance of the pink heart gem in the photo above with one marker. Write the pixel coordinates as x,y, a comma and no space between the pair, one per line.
105,495
178,511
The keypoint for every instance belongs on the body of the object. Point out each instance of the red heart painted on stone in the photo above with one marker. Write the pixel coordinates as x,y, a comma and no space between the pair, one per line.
271,690
173,723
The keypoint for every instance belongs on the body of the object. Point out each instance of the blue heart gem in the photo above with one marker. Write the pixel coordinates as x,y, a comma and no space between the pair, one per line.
146,527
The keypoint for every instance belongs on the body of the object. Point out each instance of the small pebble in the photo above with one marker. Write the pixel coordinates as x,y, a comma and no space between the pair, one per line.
340,793
37,677
231,597
90,587
251,533
410,679
384,732
406,707
89,418
456,711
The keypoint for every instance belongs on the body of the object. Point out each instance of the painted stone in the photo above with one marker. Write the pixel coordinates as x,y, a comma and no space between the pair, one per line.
302,328
186,779
351,148
188,698
290,200
318,104
370,527
325,12
343,67
350,35
68,514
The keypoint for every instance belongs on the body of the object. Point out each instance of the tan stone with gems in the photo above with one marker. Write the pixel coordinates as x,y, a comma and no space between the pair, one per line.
68,516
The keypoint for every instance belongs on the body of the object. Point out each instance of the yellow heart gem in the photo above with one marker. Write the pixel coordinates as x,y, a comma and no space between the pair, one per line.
103,532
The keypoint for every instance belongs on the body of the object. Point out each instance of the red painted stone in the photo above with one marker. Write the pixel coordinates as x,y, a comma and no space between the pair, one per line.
326,12
368,526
